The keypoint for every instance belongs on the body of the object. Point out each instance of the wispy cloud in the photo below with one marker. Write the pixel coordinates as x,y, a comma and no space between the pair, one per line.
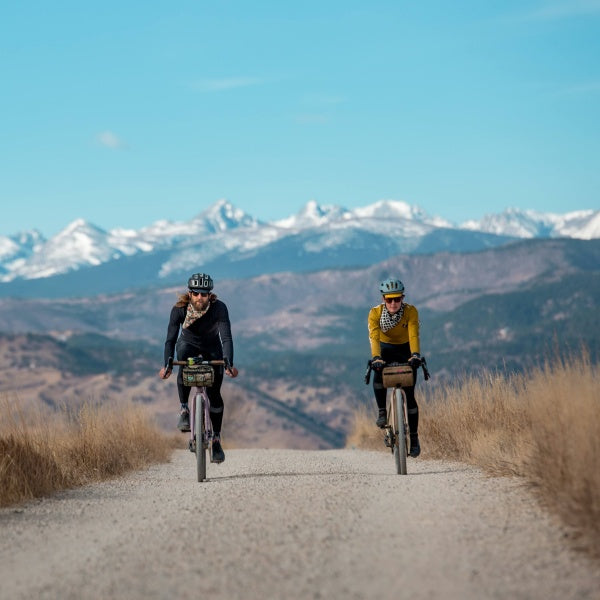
564,9
108,139
226,83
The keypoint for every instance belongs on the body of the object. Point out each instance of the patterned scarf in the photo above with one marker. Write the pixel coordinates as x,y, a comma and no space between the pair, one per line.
192,315
389,320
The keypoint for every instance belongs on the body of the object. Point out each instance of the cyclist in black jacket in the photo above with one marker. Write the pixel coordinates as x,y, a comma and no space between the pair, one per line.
203,321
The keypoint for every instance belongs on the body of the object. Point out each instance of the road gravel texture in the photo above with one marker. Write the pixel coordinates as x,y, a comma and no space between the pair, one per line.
292,524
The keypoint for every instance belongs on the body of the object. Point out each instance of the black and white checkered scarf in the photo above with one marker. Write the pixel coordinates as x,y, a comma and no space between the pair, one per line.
388,320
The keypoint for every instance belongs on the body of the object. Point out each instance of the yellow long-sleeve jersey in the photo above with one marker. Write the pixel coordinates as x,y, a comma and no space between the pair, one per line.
407,330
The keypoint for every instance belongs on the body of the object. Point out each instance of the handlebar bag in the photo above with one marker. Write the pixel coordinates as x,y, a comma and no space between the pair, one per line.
198,375
398,376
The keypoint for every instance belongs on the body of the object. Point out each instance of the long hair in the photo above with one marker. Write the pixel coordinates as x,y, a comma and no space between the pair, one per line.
184,299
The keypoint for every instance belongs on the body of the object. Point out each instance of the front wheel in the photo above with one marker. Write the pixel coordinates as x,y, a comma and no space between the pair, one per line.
400,431
200,429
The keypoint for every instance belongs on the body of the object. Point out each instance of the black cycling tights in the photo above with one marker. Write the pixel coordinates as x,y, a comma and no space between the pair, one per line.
397,353
184,351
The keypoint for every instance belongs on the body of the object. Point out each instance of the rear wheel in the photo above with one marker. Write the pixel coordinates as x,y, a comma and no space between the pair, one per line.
400,431
200,429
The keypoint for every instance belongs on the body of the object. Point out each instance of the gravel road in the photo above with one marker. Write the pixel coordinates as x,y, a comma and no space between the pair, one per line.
292,524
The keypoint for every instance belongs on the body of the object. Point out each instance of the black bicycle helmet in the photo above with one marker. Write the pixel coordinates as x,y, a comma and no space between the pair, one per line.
200,282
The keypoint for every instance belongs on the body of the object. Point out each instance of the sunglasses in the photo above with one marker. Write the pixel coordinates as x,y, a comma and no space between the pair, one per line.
203,294
391,300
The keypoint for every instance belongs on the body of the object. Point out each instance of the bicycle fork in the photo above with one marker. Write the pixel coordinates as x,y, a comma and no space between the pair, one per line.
389,436
193,442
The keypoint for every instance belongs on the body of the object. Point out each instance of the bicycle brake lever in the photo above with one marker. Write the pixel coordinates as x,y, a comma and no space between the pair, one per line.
426,374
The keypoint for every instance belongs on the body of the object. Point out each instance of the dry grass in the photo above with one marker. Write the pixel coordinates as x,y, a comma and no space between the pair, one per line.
41,453
543,426
363,433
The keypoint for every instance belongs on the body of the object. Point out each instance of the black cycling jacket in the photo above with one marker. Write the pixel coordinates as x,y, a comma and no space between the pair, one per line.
211,333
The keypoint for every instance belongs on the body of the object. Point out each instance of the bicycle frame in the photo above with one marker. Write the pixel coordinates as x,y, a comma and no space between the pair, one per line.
201,431
397,433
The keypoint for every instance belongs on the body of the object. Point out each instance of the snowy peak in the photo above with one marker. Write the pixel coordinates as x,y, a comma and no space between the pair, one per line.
583,224
81,239
29,238
19,245
389,208
392,225
223,216
83,244
81,230
313,215
80,243
397,209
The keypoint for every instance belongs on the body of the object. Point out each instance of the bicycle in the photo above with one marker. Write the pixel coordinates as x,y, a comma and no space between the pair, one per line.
396,376
199,374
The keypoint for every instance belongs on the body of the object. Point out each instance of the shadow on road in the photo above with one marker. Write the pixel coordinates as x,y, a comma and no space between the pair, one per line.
325,473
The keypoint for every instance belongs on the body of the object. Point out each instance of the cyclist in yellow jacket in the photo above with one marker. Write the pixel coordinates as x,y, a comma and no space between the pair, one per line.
394,337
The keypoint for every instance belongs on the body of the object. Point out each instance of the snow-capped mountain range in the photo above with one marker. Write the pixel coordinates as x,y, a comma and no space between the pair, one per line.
317,237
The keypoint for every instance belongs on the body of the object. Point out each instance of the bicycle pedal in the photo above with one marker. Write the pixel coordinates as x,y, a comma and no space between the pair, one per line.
192,446
388,439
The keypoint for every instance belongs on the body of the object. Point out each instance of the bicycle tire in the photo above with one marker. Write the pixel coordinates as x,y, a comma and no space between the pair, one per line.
390,429
400,431
200,432
406,426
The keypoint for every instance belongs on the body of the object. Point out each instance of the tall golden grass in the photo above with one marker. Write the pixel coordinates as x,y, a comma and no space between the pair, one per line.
543,426
43,453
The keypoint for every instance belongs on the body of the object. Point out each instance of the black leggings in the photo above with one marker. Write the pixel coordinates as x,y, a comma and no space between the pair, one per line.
397,353
186,350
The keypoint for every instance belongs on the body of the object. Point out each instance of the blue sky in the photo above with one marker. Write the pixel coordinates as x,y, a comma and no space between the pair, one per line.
124,113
